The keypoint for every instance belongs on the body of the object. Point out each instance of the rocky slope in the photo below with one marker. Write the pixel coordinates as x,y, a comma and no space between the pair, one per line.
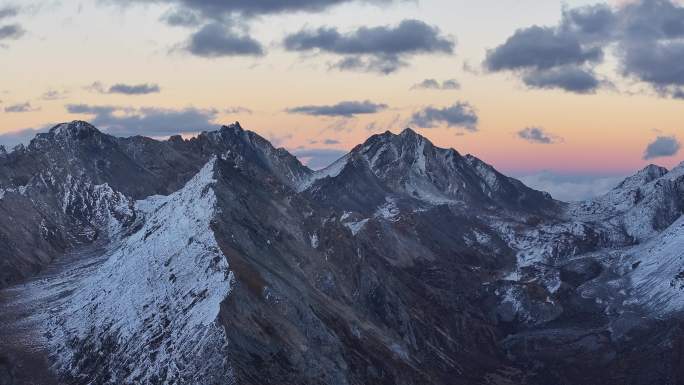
223,260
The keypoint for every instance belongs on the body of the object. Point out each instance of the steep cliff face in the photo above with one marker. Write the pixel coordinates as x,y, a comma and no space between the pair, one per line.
223,260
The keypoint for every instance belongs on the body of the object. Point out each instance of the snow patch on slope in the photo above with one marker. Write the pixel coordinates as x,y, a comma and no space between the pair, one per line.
99,204
357,226
152,306
658,276
388,211
21,190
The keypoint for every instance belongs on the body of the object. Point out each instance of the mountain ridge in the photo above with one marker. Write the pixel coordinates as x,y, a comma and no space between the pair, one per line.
401,263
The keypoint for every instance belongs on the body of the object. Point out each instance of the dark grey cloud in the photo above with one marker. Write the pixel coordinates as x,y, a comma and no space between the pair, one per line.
134,89
595,23
461,114
318,158
410,36
218,37
8,11
659,64
225,8
181,17
537,135
126,89
331,141
432,84
662,146
11,32
678,93
218,40
21,107
540,48
346,109
384,64
652,19
149,121
252,7
381,49
648,36
92,110
570,78
650,46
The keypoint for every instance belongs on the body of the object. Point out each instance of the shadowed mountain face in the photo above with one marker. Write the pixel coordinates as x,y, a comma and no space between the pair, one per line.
223,260
408,166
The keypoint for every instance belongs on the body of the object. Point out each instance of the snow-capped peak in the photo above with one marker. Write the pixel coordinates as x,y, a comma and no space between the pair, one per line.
642,205
235,127
76,128
408,149
408,132
66,134
645,175
249,148
409,164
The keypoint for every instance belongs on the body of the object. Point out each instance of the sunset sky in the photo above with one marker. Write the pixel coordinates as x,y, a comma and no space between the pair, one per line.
573,88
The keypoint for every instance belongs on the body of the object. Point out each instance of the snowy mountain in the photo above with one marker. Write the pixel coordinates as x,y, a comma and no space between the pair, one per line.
409,167
223,260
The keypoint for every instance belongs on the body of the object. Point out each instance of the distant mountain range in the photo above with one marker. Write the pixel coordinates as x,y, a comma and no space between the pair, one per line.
223,260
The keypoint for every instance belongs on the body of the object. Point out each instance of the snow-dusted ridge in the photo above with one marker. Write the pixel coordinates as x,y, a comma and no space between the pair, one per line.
658,281
155,298
410,257
331,171
636,231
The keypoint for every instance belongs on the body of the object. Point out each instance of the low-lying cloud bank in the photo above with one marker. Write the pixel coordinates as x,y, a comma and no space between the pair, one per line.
567,187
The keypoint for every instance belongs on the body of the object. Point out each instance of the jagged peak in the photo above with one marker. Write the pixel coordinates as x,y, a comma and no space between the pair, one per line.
643,176
410,147
251,147
74,128
234,133
233,130
225,133
69,132
653,169
473,160
405,137
384,137
408,132
234,127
